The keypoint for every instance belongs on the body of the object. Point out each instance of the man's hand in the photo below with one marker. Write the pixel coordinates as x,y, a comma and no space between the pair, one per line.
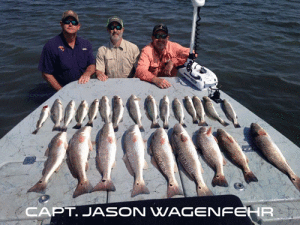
101,76
84,79
168,68
161,83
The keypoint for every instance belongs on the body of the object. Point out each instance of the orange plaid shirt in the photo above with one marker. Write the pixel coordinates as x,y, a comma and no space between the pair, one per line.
151,64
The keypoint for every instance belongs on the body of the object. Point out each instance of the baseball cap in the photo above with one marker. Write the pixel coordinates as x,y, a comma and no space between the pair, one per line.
71,13
114,19
160,27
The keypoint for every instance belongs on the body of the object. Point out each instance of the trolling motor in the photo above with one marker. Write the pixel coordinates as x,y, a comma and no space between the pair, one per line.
198,75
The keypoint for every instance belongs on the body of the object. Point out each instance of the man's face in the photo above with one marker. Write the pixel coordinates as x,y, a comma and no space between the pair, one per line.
115,31
160,40
69,25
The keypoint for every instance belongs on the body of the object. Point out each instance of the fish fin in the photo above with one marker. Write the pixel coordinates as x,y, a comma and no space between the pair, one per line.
114,164
58,168
247,160
209,131
139,188
39,187
183,124
105,185
127,164
47,152
219,180
249,176
155,125
90,123
63,129
82,188
204,191
296,181
145,165
56,128
216,139
87,166
175,168
77,126
35,132
93,142
173,189
90,145
237,125
224,161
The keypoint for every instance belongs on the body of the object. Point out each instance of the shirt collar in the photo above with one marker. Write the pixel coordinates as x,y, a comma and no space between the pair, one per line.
64,40
122,45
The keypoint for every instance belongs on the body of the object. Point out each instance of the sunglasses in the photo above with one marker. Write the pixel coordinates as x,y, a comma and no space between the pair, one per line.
160,36
112,27
74,22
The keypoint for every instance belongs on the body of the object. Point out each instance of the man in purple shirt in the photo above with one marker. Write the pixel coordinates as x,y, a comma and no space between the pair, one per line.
67,57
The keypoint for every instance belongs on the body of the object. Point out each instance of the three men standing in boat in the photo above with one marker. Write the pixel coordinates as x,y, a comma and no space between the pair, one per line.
67,57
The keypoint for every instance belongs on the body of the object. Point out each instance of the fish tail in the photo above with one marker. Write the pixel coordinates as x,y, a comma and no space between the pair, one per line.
141,128
35,132
105,185
64,129
204,191
90,123
202,123
139,188
249,176
56,128
296,181
116,128
183,124
195,121
166,125
237,125
225,124
39,187
173,189
155,125
220,180
77,126
82,188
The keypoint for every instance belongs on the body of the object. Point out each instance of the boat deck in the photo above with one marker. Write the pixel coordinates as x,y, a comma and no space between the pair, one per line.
273,188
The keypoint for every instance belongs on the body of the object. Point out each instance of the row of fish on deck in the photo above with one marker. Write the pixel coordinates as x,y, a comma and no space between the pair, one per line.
161,148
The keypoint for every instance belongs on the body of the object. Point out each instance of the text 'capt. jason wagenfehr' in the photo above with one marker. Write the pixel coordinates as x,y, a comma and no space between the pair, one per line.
152,211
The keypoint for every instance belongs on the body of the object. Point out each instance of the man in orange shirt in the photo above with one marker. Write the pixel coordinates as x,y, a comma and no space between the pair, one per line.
160,58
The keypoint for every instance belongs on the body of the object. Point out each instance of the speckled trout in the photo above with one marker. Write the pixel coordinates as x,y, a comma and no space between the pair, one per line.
178,111
163,159
151,111
230,113
190,108
105,109
211,112
81,113
271,151
134,159
78,151
43,117
56,114
164,109
56,152
118,111
69,114
134,110
93,111
210,150
187,155
199,110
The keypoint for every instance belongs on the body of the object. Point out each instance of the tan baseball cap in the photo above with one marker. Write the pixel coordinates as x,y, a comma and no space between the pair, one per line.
71,13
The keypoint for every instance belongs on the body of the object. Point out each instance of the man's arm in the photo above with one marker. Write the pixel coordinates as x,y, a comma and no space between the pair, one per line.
51,81
86,76
143,72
